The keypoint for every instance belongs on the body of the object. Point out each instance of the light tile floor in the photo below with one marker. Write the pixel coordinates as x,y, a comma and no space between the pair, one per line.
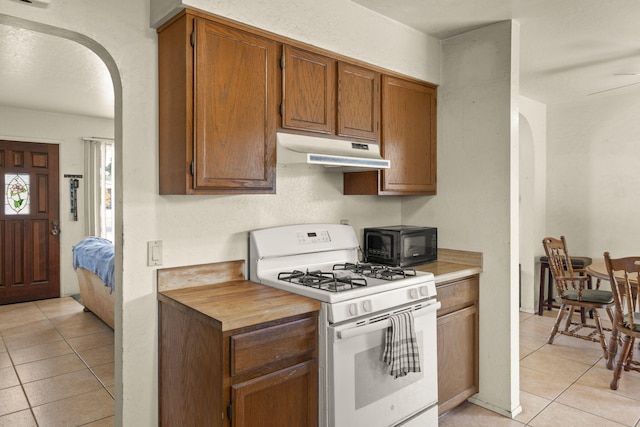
56,369
56,365
562,384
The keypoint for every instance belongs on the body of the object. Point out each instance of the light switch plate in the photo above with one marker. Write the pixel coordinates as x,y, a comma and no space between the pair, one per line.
154,252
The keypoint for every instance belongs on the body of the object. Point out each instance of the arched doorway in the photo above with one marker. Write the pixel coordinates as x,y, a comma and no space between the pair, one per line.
106,58
527,215
532,134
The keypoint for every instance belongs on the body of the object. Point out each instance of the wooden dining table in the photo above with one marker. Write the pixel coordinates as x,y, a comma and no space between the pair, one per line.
598,269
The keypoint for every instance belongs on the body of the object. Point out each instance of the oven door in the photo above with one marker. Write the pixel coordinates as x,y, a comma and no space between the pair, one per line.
360,389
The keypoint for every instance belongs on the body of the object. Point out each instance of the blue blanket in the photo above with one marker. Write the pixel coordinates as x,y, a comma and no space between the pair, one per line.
96,255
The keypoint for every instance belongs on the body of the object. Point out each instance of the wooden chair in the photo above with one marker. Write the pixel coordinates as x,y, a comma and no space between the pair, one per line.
574,293
577,262
624,274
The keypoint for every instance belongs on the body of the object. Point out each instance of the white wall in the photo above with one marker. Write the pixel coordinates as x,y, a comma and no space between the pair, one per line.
67,131
340,26
200,229
476,205
593,175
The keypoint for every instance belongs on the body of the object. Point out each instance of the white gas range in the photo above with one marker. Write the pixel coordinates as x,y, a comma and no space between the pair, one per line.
320,261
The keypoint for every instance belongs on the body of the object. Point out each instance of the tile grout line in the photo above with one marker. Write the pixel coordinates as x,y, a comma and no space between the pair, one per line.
83,361
528,423
13,365
592,365
79,356
77,353
559,394
21,383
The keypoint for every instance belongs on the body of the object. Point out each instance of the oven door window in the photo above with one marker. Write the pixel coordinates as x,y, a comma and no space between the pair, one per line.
361,390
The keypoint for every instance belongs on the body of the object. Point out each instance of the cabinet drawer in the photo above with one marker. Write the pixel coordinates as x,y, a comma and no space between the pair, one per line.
274,344
459,294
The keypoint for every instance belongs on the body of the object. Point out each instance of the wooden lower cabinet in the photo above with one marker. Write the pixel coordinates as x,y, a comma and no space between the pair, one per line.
281,398
262,375
457,342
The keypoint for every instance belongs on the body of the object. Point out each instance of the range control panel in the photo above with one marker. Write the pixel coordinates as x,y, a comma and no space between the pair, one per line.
311,237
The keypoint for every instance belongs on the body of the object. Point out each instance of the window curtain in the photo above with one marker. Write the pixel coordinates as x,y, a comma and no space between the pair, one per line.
96,220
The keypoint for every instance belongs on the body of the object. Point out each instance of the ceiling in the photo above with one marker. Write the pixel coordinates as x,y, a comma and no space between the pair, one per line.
48,73
570,50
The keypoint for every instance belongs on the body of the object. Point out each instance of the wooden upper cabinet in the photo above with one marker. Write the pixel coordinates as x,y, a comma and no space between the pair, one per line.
221,90
408,141
235,105
323,95
409,135
358,102
218,109
308,91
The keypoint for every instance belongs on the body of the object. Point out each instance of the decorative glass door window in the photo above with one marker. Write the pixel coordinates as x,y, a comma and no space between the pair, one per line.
17,192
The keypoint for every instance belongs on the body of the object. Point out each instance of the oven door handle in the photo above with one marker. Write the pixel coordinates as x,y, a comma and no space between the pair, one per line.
383,324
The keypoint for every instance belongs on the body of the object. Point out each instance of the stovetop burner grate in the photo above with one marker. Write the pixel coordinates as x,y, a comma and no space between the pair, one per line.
345,276
378,271
328,281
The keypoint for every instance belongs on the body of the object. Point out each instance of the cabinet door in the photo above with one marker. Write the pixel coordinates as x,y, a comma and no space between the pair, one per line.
308,85
288,397
189,364
235,82
358,102
457,357
408,137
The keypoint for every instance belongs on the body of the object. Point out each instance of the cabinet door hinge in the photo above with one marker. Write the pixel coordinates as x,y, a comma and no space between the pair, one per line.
229,411
192,168
192,38
281,110
282,62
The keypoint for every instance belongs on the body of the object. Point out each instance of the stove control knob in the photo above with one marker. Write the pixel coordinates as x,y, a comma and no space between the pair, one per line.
413,293
353,309
366,305
424,291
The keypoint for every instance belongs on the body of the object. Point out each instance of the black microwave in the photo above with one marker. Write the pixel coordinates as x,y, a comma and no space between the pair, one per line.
401,245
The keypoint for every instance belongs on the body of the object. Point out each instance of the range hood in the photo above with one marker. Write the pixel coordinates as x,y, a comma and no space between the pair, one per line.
341,155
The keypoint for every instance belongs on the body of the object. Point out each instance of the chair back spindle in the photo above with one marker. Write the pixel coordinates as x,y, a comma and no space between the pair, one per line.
561,266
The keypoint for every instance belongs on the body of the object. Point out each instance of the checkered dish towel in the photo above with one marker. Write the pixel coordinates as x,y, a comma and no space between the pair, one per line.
401,347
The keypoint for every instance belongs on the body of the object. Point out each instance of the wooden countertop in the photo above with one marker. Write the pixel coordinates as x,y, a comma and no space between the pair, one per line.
230,304
448,271
238,304
219,292
453,265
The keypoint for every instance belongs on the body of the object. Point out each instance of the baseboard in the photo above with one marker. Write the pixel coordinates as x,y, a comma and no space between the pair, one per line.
486,405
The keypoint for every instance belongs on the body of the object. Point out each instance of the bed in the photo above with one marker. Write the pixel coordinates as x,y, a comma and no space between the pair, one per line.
93,259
